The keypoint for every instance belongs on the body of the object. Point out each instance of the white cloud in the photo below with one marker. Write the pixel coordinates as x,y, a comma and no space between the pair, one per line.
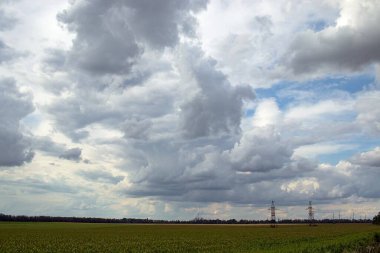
307,186
314,150
260,32
267,113
319,110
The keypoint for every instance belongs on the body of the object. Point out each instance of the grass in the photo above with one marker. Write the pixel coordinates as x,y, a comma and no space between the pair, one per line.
82,237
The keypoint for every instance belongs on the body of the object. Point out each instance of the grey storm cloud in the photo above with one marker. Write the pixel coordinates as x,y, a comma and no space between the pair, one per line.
160,22
104,43
346,47
174,171
73,154
108,33
100,176
14,106
49,147
217,106
137,129
256,151
207,171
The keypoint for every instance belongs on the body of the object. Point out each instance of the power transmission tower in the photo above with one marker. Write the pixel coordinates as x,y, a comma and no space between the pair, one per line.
272,215
198,217
311,214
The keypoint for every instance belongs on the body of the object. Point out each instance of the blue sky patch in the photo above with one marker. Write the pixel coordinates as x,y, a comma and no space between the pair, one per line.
287,92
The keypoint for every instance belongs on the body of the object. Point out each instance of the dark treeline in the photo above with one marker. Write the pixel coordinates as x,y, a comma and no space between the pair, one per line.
23,218
376,219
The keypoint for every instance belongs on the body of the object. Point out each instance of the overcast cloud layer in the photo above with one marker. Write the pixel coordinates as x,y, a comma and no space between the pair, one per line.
167,109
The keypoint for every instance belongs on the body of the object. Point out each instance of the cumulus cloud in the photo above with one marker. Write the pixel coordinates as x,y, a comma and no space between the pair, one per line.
113,51
267,113
260,149
370,158
255,36
302,186
364,167
217,106
350,45
188,174
355,177
109,34
103,43
238,171
160,23
51,148
15,105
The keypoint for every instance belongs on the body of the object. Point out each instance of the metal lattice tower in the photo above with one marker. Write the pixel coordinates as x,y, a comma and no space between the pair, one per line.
311,213
198,217
273,214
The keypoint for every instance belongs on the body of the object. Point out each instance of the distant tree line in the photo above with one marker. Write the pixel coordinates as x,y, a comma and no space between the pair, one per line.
23,218
376,219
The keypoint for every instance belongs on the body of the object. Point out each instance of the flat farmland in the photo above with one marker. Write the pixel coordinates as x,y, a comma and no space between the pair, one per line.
84,237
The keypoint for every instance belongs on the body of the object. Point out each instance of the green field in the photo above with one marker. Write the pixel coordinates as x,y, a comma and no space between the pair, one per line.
81,237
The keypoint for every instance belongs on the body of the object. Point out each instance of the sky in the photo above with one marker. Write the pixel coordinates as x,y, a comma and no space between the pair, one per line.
177,109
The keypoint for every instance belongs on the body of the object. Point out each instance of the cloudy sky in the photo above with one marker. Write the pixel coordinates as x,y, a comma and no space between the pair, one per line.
166,109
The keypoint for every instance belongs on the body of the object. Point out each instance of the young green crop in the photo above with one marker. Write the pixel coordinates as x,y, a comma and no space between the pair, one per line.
80,237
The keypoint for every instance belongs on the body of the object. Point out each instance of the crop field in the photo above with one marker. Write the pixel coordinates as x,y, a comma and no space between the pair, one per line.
82,237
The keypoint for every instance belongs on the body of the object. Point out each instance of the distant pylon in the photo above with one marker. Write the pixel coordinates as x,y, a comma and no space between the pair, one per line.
311,213
198,217
272,215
